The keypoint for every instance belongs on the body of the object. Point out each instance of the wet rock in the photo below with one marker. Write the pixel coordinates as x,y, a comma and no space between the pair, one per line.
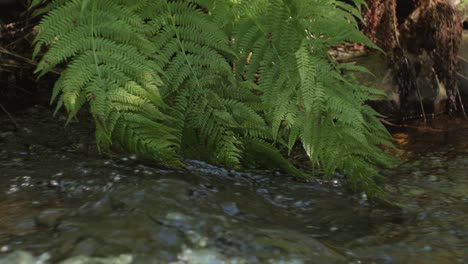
433,178
169,236
230,208
50,218
86,247
78,244
22,257
197,239
4,249
28,223
53,184
6,135
177,217
122,259
195,165
204,256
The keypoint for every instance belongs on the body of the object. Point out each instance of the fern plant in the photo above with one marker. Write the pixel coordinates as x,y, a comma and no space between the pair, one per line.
218,80
304,96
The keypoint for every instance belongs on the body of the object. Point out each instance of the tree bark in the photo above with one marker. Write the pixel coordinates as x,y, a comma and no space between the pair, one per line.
422,38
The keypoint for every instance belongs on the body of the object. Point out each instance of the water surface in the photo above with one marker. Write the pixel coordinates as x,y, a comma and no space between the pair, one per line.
61,200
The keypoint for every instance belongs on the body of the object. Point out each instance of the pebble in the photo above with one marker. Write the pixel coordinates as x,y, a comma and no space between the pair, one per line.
197,239
27,130
336,183
427,248
147,172
230,208
433,178
5,248
175,216
6,134
53,184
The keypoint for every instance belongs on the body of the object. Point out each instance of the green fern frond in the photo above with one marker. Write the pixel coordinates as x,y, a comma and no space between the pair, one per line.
267,155
304,95
107,55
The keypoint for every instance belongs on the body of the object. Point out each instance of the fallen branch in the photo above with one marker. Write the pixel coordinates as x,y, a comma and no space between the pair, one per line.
426,129
5,51
9,116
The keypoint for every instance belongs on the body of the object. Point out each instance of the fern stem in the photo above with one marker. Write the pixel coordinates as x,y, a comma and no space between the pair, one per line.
181,46
93,41
98,118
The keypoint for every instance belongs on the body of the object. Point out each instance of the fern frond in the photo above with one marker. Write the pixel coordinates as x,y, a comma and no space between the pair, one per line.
108,65
305,98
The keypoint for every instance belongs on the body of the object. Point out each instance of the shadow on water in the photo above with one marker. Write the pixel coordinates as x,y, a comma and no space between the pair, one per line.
60,198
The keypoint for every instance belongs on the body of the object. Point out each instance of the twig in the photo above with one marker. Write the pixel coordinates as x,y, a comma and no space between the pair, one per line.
459,95
462,58
429,129
17,87
462,76
10,116
413,74
5,51
20,39
461,103
421,104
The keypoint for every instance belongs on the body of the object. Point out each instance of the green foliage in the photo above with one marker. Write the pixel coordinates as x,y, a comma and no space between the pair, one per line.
304,95
218,80
106,49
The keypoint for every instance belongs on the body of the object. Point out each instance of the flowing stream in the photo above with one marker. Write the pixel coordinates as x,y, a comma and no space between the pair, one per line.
63,203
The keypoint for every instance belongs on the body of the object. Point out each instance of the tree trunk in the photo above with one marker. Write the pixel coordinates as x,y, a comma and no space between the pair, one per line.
422,39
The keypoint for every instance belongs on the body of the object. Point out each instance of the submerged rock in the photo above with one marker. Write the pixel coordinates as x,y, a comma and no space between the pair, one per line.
230,208
50,218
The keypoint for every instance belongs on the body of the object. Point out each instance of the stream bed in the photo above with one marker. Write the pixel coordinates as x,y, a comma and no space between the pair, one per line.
63,203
